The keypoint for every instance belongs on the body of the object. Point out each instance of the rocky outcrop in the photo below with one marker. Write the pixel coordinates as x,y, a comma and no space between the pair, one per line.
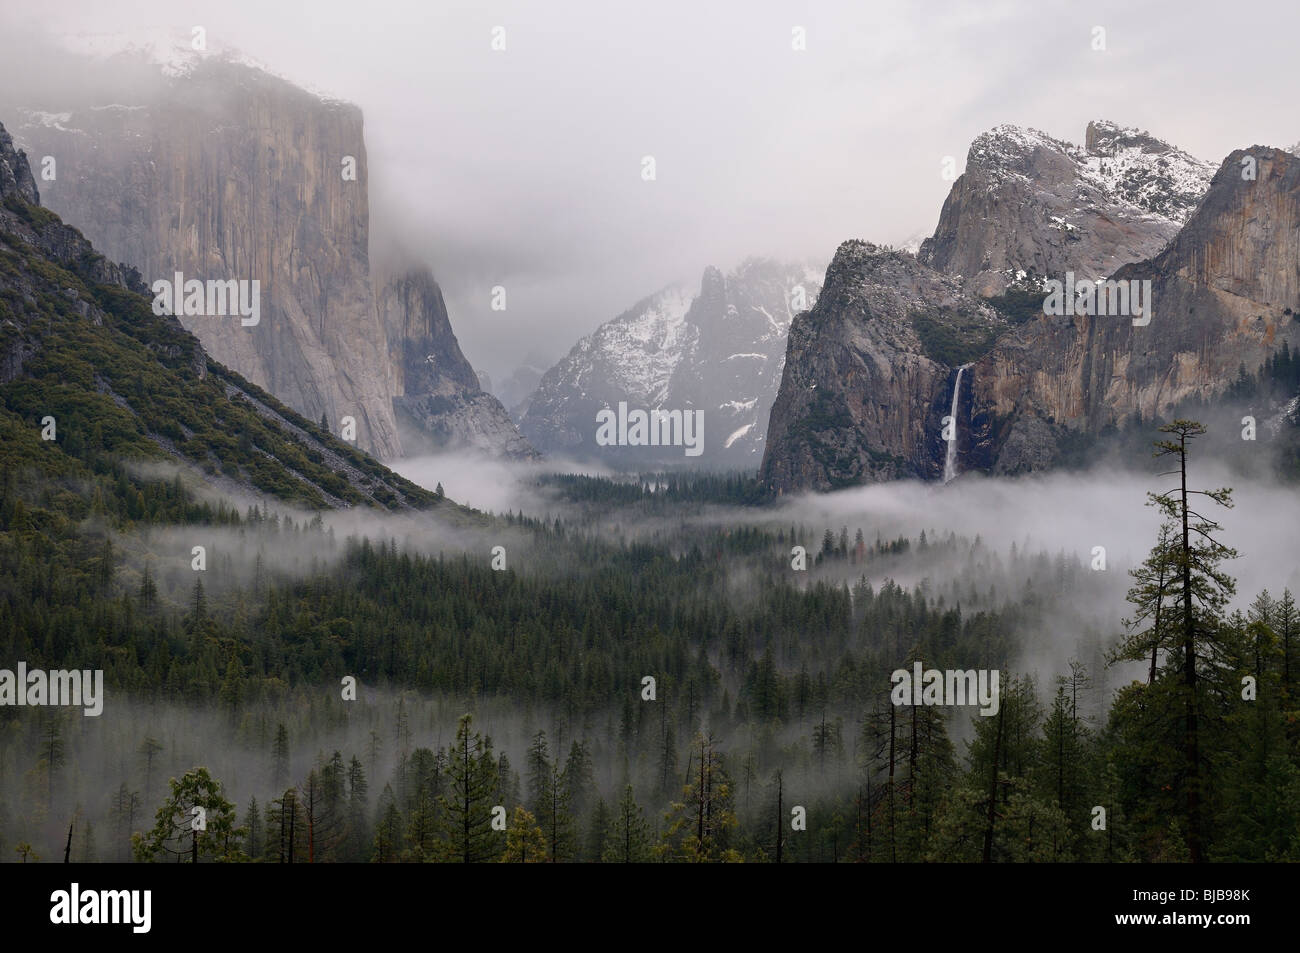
15,172
1030,206
436,394
719,351
869,373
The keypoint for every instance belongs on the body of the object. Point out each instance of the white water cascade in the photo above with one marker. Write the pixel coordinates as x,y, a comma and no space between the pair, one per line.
950,460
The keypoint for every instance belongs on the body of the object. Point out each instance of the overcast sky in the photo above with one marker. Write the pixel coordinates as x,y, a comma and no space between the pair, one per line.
522,167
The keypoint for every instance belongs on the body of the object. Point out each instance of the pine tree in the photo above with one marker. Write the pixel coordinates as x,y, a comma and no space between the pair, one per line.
286,829
358,834
421,792
1153,627
629,834
1200,594
557,820
148,590
1061,778
1287,625
280,757
51,747
667,757
539,775
471,791
598,831
388,829
507,781
579,779
253,841
699,827
126,804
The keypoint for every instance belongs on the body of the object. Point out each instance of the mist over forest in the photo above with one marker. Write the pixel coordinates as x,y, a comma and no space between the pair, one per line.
782,674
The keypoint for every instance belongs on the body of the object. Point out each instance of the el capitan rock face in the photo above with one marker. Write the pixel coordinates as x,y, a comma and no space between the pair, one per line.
209,165
1030,203
222,171
863,400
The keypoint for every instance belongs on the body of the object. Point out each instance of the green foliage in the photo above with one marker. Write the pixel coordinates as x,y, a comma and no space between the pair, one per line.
1019,304
195,824
954,339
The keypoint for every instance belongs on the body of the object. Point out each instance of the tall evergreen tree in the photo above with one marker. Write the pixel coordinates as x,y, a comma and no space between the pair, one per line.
629,835
470,795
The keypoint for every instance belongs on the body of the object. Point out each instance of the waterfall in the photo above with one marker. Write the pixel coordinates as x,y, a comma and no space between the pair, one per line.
950,460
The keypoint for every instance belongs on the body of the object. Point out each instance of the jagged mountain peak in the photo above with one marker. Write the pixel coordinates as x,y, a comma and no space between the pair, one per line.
1104,137
717,347
1126,164
15,172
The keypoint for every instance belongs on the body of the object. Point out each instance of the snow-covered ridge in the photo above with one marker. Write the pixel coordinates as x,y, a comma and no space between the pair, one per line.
39,117
1128,166
643,347
1143,171
174,54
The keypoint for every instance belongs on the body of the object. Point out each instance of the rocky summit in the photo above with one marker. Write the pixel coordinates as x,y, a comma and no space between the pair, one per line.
1225,294
1030,205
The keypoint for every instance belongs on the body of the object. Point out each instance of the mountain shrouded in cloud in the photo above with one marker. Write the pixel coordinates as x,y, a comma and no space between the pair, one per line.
718,350
217,169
